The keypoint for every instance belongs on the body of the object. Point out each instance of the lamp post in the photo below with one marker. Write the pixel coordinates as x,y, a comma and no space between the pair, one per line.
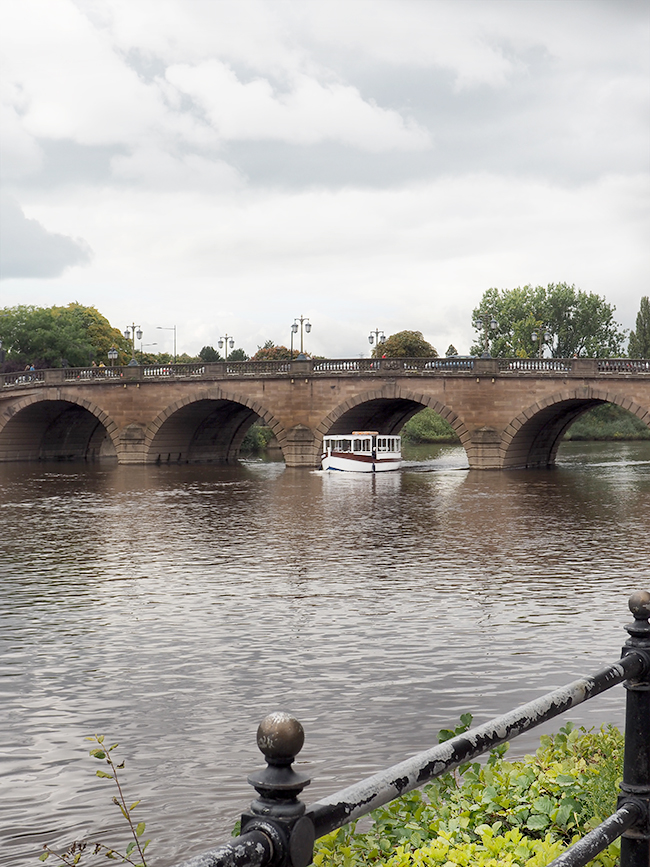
377,337
169,328
542,335
112,355
226,341
487,323
131,332
305,325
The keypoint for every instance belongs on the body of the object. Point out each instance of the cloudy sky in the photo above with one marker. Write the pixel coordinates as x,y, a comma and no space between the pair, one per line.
225,166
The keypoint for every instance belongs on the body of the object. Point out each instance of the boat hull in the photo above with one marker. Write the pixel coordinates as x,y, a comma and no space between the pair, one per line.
359,463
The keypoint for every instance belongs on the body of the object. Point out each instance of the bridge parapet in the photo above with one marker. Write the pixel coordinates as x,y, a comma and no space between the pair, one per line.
380,367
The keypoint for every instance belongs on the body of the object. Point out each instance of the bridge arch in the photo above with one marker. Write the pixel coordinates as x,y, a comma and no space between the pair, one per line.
49,427
386,409
534,436
206,426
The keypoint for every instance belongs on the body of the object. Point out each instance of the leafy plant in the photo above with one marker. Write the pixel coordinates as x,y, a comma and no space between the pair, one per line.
136,847
522,813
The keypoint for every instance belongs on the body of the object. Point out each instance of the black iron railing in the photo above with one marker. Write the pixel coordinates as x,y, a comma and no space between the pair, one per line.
280,830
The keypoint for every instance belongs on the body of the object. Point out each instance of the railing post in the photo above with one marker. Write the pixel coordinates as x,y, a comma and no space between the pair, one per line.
278,813
635,842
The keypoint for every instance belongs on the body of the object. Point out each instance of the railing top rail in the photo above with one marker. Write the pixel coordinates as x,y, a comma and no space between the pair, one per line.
361,798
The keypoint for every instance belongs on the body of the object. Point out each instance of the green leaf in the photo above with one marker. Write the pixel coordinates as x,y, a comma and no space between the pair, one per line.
536,822
100,739
112,747
466,719
105,775
133,805
44,856
130,848
98,754
140,829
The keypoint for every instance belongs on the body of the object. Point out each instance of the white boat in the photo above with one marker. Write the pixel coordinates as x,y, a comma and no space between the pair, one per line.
362,451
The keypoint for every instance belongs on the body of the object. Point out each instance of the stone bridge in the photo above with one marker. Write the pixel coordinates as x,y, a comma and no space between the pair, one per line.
507,412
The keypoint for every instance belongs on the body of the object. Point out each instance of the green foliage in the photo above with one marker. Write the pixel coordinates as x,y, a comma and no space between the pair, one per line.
52,336
257,438
580,323
428,427
522,813
136,848
271,352
237,355
209,353
451,351
639,346
608,422
405,344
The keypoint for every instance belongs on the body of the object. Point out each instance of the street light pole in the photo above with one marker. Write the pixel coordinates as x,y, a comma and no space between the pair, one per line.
169,328
223,343
542,335
486,322
144,346
305,325
135,331
377,337
112,355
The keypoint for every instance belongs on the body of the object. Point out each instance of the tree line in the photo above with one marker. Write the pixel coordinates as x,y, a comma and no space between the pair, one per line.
557,320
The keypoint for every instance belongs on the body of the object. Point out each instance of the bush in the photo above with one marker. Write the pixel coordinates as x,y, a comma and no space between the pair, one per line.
428,427
257,438
522,813
608,422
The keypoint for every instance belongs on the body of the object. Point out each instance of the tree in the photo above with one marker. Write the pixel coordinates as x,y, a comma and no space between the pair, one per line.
52,336
451,350
271,352
579,323
209,353
639,346
238,355
405,344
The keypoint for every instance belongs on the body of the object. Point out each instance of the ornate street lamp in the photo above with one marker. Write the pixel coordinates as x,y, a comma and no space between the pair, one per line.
225,342
131,332
112,355
169,328
543,336
377,337
487,323
305,325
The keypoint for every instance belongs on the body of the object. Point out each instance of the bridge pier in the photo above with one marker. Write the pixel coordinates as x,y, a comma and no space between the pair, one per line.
485,449
299,447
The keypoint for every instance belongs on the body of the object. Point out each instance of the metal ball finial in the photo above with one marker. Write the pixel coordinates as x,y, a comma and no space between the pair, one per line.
639,603
280,736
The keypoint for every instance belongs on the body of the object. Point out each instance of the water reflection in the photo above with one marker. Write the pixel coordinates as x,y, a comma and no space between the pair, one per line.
172,607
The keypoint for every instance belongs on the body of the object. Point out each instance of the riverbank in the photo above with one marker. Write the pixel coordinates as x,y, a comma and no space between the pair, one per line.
604,422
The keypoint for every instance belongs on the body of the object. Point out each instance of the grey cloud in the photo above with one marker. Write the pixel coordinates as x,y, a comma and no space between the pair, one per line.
27,249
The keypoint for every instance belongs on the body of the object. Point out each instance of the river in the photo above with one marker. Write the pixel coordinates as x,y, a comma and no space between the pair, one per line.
170,608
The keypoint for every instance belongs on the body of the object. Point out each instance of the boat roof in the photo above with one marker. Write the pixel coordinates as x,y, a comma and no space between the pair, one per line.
360,433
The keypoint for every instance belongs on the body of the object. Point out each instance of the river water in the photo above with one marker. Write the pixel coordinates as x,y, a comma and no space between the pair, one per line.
171,608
